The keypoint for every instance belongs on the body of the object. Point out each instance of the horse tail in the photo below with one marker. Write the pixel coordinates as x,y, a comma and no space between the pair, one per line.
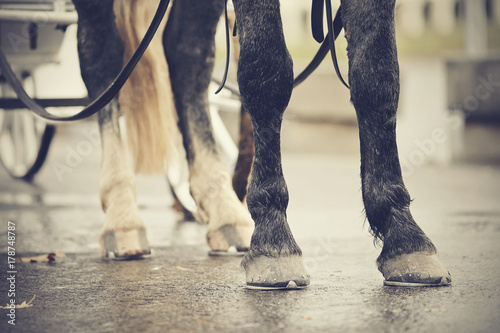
146,100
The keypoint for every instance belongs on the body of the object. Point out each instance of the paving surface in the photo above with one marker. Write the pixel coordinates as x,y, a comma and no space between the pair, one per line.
181,289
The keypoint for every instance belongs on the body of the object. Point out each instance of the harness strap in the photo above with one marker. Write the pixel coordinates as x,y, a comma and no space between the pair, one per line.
331,40
322,52
106,96
327,44
228,49
317,20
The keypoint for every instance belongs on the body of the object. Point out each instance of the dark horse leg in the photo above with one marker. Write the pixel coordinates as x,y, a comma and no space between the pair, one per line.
408,256
265,79
189,47
100,51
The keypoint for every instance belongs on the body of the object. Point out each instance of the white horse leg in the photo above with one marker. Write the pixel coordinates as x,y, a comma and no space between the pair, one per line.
229,223
124,233
100,50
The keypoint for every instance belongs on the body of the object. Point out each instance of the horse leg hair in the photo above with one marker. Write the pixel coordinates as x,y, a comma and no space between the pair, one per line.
190,50
265,78
408,255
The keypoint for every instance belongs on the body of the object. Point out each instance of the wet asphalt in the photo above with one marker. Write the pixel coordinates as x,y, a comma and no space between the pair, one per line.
182,289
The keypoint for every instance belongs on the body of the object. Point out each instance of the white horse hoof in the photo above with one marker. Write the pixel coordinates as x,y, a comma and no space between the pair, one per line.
130,244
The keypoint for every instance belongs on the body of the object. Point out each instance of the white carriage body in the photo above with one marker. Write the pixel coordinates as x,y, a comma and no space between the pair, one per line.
32,31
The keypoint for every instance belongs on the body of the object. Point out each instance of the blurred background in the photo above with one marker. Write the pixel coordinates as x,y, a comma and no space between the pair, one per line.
448,50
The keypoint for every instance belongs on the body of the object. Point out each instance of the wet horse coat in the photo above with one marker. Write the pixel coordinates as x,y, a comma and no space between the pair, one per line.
265,79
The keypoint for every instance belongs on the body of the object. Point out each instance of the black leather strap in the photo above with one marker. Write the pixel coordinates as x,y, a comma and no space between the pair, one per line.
228,50
317,20
331,39
334,30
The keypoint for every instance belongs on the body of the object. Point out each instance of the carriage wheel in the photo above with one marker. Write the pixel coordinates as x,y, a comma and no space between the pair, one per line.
24,140
24,143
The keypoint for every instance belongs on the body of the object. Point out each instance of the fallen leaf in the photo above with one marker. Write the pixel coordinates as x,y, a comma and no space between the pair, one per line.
435,310
19,306
50,257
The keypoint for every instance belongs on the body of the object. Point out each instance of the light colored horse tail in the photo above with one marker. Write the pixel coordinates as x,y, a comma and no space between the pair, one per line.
146,100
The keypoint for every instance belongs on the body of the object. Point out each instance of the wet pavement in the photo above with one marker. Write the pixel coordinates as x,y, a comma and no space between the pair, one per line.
181,289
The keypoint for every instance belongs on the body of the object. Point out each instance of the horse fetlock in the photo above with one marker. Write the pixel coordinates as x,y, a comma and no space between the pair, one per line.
217,202
267,192
414,270
124,244
282,272
116,196
116,185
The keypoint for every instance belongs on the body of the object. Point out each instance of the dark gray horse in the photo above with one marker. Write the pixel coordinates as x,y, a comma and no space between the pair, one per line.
265,80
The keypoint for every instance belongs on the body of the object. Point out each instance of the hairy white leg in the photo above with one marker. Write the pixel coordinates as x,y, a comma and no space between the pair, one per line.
100,51
229,222
124,232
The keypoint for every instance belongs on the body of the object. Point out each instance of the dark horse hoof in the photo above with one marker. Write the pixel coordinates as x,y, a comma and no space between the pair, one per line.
123,245
268,273
415,270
